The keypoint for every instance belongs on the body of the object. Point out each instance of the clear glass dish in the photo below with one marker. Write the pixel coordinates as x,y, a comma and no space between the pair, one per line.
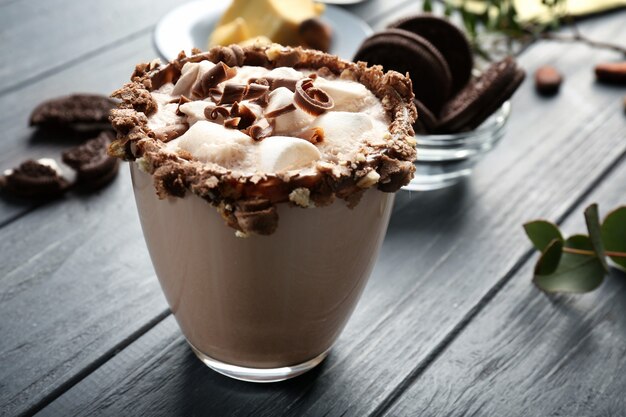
443,160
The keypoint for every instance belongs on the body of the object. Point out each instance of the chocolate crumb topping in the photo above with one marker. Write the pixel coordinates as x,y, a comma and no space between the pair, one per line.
247,201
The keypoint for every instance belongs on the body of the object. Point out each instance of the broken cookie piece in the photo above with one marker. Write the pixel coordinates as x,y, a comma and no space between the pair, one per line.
94,167
40,180
77,111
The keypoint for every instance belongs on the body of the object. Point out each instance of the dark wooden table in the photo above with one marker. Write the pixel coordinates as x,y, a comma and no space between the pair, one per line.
449,324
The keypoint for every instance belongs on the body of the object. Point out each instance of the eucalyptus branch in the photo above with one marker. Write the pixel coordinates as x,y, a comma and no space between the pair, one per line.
579,263
592,253
579,37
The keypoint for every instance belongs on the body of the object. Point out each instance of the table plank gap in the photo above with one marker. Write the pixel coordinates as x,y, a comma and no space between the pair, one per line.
534,353
458,329
97,363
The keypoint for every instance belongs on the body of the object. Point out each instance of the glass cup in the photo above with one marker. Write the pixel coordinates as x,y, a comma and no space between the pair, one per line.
443,160
261,308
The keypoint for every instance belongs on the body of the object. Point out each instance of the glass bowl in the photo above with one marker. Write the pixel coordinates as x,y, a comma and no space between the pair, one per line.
443,160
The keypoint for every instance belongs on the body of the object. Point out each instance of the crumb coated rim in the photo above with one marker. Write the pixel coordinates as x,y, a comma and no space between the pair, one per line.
247,202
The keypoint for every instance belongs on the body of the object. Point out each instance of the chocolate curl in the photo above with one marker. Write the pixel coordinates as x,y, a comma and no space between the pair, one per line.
213,114
313,135
255,91
279,112
170,132
275,83
214,94
219,73
312,100
260,130
232,123
181,100
233,93
246,115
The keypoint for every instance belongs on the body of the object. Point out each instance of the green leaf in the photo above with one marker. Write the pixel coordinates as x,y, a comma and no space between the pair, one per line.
541,233
614,234
427,6
550,258
595,233
576,273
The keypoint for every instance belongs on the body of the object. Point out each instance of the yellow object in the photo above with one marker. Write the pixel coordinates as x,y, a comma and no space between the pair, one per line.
232,32
277,20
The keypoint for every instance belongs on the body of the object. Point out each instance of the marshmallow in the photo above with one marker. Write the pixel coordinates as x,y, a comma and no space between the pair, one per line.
348,95
283,153
344,130
212,142
195,110
291,122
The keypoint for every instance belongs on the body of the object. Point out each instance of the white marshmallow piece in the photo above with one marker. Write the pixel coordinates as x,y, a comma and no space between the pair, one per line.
195,110
212,142
292,122
348,95
343,131
284,153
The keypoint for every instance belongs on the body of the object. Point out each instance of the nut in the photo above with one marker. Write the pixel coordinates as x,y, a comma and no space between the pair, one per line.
547,80
315,34
611,72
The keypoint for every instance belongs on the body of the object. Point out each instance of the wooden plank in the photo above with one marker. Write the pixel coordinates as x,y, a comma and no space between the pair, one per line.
76,283
444,251
100,74
43,37
549,356
67,296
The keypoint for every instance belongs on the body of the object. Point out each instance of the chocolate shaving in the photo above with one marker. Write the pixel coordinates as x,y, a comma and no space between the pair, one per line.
313,135
219,73
242,111
260,130
279,112
215,94
259,81
170,132
289,83
274,83
181,100
312,100
233,93
218,111
255,91
232,123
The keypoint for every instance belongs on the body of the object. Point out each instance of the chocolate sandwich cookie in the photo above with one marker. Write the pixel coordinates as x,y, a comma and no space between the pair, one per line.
426,121
405,52
449,40
94,167
77,111
39,180
481,97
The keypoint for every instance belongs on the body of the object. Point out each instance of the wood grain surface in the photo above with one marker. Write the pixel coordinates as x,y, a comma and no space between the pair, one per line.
529,354
76,284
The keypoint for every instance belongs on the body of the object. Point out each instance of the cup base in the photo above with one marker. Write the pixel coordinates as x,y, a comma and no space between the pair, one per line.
260,375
